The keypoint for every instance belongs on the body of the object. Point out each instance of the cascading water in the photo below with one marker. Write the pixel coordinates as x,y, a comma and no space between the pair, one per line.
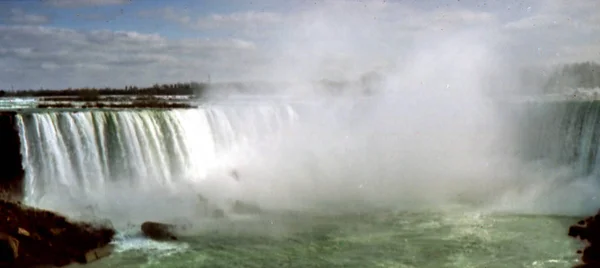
119,160
564,134
555,146
90,157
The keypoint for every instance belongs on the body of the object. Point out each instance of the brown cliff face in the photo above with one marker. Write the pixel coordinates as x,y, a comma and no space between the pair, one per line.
47,238
11,170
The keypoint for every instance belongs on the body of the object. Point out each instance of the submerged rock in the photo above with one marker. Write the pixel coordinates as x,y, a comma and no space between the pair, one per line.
43,238
218,213
159,231
588,230
245,208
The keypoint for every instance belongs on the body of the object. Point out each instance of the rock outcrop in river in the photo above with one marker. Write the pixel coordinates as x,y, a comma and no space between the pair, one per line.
159,231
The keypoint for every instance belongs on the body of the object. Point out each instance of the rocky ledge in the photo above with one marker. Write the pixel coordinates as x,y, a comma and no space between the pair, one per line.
31,237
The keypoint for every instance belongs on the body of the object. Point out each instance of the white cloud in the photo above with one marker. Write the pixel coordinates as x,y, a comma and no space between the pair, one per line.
559,15
541,20
79,3
169,14
18,16
250,22
247,23
556,31
238,19
449,20
568,7
35,56
335,39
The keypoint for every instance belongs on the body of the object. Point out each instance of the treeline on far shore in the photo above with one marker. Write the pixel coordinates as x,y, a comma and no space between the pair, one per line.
535,80
91,94
574,75
561,78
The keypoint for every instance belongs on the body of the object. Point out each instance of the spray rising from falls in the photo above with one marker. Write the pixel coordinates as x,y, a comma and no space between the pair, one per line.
379,151
95,156
345,152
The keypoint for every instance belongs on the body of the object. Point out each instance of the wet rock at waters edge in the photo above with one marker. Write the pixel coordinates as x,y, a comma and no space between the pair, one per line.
9,250
97,253
588,230
159,231
43,238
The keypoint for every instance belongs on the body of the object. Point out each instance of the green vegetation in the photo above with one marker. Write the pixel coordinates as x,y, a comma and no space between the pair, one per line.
93,94
575,75
534,80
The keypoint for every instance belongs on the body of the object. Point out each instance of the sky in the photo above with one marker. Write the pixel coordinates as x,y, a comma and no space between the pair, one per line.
113,43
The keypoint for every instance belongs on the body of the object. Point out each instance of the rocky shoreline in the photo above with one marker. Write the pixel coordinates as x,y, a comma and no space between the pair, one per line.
31,237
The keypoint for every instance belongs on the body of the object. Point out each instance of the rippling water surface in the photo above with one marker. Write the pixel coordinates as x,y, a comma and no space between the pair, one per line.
383,239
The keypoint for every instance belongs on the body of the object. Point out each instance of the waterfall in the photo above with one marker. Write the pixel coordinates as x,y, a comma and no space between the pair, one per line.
303,155
562,133
70,155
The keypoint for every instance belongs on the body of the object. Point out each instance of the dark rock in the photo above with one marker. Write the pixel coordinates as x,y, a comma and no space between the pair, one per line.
9,249
96,254
245,208
218,213
591,254
159,231
46,238
12,174
588,230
